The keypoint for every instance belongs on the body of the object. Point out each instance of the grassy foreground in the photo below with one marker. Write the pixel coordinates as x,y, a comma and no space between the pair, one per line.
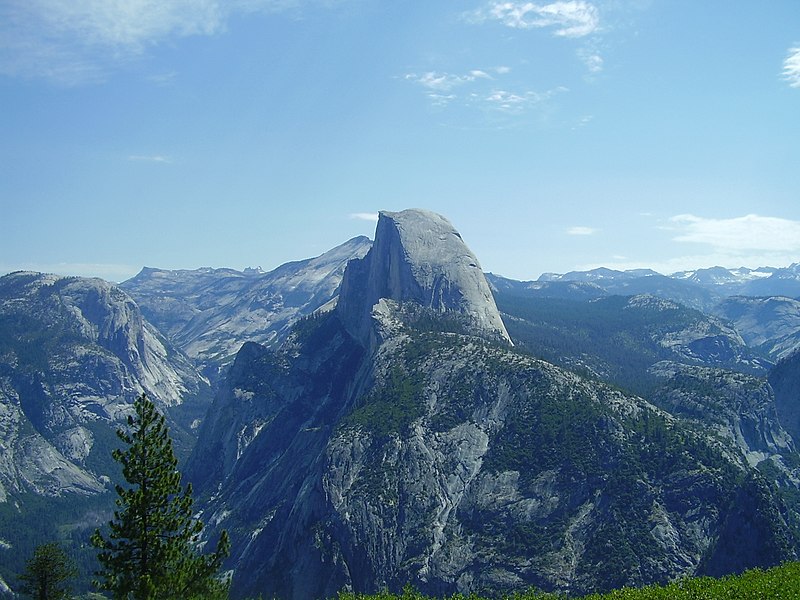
778,582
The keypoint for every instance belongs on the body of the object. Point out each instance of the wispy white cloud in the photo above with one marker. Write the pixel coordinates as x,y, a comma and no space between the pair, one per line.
509,101
444,82
365,216
438,85
563,18
748,241
441,100
440,82
580,230
518,102
592,60
79,41
156,158
791,67
478,74
480,90
572,18
739,234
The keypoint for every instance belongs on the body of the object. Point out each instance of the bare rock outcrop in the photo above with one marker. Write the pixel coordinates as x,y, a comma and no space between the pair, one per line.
418,256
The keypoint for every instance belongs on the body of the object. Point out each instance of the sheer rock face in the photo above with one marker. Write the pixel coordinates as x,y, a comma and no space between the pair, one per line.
418,256
375,448
740,407
771,324
210,313
785,381
458,465
74,353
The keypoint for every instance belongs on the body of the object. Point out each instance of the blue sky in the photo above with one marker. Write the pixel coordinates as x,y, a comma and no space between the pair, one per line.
554,135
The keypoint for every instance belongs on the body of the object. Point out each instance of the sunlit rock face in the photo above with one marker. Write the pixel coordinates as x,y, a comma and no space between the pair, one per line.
400,439
209,313
771,324
74,353
419,256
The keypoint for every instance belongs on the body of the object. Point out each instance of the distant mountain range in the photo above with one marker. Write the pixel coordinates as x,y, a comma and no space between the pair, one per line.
701,289
209,313
762,305
386,413
399,437
764,281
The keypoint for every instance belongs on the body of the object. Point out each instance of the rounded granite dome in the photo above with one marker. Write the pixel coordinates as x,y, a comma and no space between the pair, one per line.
419,256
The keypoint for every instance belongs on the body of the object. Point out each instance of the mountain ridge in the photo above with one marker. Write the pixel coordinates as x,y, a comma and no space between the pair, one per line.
210,313
719,281
386,431
74,352
388,442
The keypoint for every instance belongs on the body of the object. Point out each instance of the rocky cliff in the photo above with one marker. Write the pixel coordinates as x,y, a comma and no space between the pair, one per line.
210,313
785,381
419,257
400,439
73,355
738,406
770,324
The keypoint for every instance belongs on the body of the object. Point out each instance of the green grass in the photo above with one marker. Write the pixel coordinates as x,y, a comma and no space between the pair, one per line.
778,582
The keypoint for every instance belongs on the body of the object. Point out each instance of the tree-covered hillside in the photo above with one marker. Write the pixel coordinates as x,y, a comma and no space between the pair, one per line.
618,338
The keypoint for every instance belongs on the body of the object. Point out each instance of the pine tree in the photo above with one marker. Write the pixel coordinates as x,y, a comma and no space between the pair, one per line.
47,573
151,550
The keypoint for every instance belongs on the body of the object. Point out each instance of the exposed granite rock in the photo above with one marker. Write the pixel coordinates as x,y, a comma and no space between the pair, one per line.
739,406
785,381
30,463
210,313
418,256
457,465
382,445
74,353
771,324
